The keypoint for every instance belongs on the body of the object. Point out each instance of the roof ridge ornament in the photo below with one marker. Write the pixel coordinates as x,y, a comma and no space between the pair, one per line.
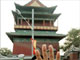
32,0
35,0
34,3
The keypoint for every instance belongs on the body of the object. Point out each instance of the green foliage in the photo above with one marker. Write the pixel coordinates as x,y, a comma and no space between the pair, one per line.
5,52
73,38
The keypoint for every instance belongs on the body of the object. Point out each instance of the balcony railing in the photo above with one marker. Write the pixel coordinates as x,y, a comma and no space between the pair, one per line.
36,27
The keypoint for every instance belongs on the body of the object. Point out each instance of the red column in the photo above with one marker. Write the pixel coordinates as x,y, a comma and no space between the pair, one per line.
17,22
43,22
21,21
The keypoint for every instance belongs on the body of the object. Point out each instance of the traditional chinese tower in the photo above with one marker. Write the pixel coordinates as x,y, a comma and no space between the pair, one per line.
44,29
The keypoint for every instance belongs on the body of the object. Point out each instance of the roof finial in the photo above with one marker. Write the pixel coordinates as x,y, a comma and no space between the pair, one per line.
33,0
35,3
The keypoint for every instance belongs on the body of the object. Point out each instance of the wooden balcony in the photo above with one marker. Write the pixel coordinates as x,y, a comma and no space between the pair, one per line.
36,27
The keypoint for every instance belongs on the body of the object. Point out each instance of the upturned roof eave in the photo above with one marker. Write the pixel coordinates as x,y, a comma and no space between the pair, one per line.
35,13
13,35
40,13
50,16
46,35
45,9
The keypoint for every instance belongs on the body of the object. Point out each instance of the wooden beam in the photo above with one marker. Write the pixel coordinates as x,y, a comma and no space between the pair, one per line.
17,21
43,22
50,23
21,21
53,24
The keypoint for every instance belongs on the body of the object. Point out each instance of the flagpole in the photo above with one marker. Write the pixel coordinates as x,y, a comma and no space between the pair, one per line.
32,29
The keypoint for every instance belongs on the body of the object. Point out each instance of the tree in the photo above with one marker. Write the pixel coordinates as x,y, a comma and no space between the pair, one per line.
73,38
5,52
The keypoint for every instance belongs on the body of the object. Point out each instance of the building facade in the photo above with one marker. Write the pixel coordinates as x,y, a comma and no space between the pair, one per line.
73,53
44,29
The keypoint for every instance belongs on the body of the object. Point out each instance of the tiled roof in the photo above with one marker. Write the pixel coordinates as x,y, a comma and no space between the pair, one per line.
36,33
